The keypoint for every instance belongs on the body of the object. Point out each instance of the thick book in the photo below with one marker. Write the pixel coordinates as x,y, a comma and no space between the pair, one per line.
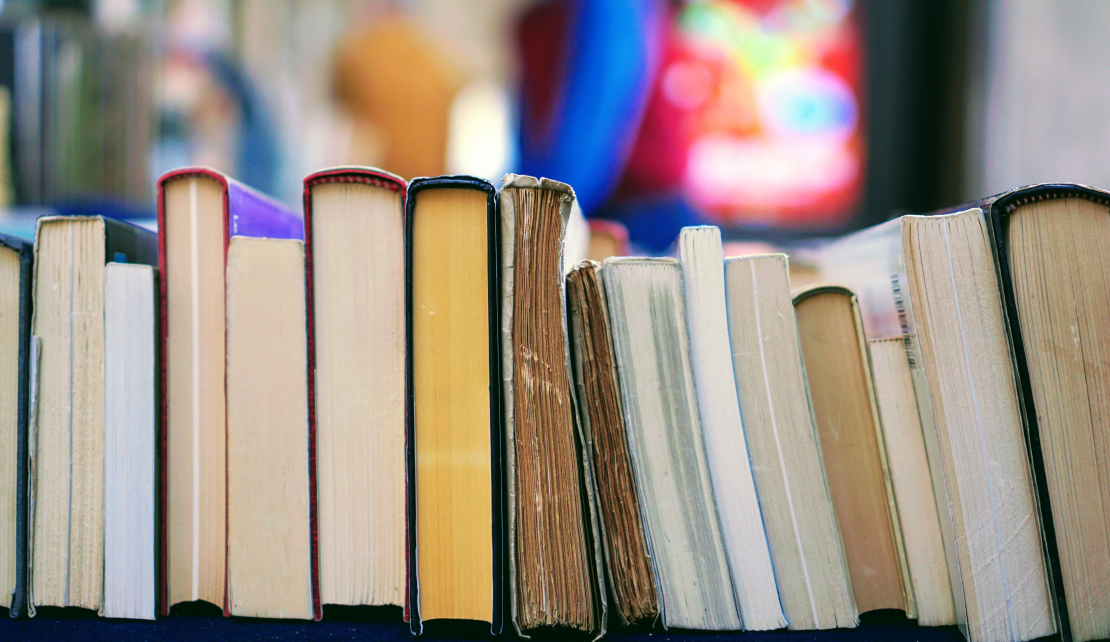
1049,245
16,265
354,278
454,439
555,567
629,576
753,579
806,548
67,434
199,210
650,341
838,369
931,280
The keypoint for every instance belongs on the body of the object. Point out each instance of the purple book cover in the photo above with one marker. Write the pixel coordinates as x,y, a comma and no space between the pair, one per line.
251,213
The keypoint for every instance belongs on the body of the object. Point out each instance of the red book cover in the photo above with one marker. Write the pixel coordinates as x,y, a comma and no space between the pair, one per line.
246,212
369,176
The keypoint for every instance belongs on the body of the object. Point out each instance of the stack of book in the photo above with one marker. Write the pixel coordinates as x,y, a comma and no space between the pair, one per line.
79,107
412,394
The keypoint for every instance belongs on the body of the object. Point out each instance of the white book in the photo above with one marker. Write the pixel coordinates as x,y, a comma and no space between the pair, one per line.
753,577
129,441
664,439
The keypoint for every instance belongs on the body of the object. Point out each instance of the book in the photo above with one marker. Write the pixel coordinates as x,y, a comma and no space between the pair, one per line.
802,532
16,265
753,578
910,477
454,462
67,435
555,568
630,579
129,441
932,280
650,341
270,569
199,209
1048,242
838,370
354,274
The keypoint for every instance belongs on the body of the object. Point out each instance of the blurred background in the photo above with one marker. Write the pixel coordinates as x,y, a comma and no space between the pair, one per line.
778,120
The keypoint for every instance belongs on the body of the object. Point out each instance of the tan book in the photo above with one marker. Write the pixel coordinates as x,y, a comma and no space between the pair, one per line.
269,550
631,581
1052,242
785,452
965,353
838,370
555,568
355,275
910,477
67,436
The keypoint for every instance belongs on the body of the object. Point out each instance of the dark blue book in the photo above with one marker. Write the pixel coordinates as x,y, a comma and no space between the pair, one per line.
16,264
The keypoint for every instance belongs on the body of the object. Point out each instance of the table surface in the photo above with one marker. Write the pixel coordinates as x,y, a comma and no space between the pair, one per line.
346,623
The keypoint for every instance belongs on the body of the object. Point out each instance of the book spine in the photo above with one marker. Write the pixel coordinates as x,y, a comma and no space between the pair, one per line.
19,598
162,537
995,215
310,329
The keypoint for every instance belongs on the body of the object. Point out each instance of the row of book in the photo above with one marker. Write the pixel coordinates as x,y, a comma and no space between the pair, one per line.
77,111
403,396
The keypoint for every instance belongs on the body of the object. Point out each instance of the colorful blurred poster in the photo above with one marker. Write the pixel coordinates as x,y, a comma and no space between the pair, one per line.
768,95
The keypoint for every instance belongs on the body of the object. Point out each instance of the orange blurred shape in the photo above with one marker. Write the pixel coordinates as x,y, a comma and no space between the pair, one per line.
397,87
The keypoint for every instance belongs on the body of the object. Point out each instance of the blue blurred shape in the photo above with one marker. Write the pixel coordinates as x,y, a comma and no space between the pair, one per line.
610,51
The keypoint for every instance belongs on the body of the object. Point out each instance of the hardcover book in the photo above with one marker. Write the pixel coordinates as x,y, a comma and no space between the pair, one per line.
199,210
354,269
454,462
270,567
838,369
16,265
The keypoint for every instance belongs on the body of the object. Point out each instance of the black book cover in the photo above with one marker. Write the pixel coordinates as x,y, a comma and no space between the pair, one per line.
997,210
26,261
493,224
